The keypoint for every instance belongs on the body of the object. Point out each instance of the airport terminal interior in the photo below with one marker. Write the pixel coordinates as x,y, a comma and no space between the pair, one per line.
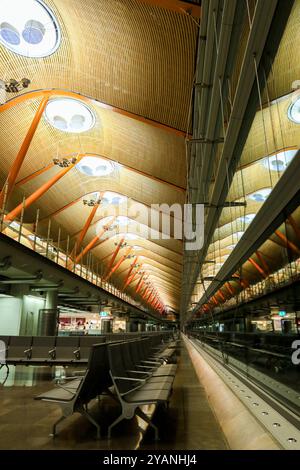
150,224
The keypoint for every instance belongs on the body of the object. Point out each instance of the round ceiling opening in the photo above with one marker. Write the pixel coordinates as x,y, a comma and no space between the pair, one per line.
280,161
115,199
94,166
28,28
261,195
69,115
294,111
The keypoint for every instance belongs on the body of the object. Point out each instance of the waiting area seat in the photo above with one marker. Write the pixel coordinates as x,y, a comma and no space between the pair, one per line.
135,388
118,369
75,396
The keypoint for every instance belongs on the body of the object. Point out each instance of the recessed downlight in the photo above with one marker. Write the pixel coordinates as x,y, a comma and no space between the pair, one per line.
69,115
28,28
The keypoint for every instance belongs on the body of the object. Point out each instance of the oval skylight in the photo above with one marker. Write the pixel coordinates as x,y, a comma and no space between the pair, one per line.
280,161
261,195
28,28
294,111
247,219
69,115
113,198
94,166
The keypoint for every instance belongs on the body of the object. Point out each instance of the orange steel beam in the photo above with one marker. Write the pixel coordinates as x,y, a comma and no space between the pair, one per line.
38,193
84,230
263,262
94,241
130,271
16,166
48,93
258,268
229,288
222,295
178,6
140,283
149,296
294,225
132,278
118,264
290,244
34,175
115,254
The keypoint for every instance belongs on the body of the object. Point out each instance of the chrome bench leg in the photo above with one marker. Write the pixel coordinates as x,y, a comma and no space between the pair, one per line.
53,434
146,418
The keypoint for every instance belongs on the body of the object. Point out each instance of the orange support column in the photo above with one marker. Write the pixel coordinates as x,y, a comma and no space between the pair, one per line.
83,232
16,166
140,283
258,268
132,278
38,193
119,246
94,241
130,271
289,244
118,264
263,262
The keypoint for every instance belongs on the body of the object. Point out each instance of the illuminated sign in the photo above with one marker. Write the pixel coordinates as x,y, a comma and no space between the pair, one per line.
104,314
282,313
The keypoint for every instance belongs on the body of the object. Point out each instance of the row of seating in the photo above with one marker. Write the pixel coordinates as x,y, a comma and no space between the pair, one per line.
136,373
53,350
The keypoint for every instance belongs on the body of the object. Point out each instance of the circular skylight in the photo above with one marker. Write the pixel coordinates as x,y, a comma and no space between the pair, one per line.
247,219
28,28
69,115
94,166
261,195
294,111
237,236
113,198
280,161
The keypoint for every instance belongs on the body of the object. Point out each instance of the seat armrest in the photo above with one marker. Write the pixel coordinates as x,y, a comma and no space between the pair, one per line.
52,353
139,372
77,353
28,353
131,379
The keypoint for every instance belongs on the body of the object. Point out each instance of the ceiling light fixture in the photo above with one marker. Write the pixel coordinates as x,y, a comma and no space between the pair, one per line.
69,115
29,28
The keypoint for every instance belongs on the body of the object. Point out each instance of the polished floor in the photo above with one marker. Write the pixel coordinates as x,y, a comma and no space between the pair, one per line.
189,423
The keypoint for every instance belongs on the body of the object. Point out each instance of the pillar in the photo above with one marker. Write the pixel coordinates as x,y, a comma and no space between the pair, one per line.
48,317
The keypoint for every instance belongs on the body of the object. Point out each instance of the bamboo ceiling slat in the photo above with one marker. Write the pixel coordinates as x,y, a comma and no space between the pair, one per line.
116,34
